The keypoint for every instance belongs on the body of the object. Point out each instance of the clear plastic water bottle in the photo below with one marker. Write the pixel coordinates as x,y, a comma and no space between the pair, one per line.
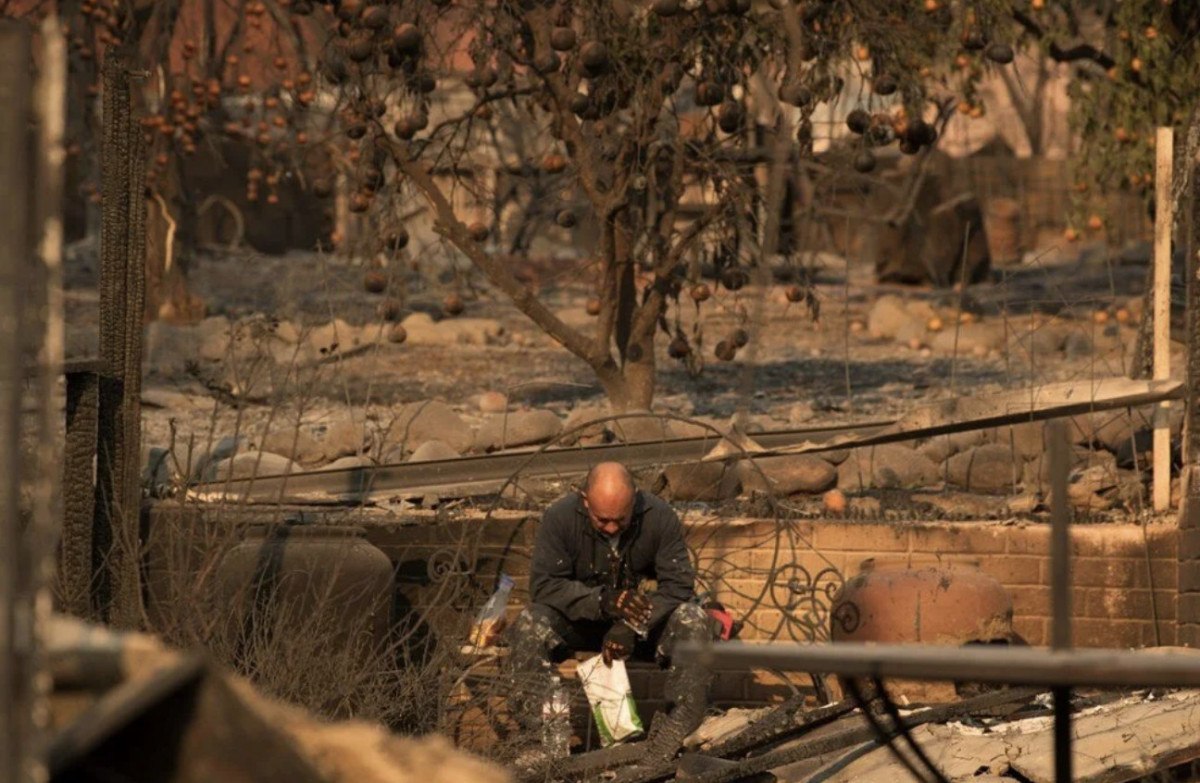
556,721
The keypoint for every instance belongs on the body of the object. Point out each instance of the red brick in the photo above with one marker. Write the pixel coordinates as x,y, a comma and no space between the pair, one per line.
1188,635
1102,572
766,558
1032,629
1124,604
765,624
1189,544
1107,633
1030,601
850,537
970,538
1029,540
728,686
1167,634
1166,573
1187,608
1013,569
1189,577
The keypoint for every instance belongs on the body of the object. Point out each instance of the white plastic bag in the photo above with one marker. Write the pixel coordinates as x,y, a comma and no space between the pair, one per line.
611,700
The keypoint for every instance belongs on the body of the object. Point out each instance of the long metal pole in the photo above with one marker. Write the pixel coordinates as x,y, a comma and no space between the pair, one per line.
1060,592
16,249
1004,665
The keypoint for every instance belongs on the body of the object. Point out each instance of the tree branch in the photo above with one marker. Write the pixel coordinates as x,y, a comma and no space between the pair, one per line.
448,225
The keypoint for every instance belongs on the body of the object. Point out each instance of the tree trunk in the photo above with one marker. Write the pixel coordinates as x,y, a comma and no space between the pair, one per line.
630,386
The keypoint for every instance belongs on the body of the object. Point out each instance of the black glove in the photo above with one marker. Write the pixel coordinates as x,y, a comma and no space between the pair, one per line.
618,643
629,605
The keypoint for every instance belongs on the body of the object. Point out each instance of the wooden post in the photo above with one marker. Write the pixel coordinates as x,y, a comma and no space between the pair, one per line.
1188,615
116,539
1164,216
16,252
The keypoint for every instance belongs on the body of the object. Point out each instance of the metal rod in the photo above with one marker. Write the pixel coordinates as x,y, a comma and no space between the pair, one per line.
1060,591
1100,668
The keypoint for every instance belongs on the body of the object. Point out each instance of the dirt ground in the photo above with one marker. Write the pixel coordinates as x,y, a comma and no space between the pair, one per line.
797,370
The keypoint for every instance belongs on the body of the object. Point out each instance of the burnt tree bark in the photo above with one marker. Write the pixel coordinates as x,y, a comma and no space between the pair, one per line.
122,294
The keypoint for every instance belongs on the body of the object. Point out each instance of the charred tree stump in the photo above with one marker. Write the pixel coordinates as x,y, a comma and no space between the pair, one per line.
115,535
76,573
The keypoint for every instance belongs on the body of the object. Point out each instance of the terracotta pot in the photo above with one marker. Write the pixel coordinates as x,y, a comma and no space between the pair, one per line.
927,601
323,579
901,601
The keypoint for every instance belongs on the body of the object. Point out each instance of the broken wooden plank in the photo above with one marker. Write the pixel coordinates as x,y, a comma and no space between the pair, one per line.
961,414
856,732
1116,742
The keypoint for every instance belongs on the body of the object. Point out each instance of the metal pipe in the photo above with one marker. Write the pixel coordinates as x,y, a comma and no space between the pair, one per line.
1060,591
1100,668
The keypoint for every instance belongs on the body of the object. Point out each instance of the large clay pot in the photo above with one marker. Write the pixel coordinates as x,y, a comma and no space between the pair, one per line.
326,580
901,601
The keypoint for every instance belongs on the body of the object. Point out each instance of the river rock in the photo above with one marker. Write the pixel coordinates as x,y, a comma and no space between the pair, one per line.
347,463
249,464
215,337
296,445
700,481
787,474
579,426
432,450
940,448
333,337
888,316
987,468
519,428
418,422
169,348
346,435
886,466
974,338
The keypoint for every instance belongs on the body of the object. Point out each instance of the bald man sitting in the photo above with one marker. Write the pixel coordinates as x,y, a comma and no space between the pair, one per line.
592,555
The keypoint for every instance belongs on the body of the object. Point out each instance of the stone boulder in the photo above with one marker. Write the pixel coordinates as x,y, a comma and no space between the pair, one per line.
519,428
296,445
787,474
432,450
989,468
580,429
889,316
334,337
700,481
169,348
347,463
418,422
249,464
940,448
346,435
886,466
978,338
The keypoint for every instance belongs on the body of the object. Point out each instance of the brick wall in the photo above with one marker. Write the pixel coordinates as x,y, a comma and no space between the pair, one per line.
1125,578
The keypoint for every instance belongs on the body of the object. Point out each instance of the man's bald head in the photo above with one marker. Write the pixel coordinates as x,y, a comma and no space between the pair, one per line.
608,495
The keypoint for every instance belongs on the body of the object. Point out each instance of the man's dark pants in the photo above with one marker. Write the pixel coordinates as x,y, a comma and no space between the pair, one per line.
541,636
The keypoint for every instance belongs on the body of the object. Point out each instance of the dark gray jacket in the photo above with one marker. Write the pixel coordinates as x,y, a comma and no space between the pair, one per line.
572,561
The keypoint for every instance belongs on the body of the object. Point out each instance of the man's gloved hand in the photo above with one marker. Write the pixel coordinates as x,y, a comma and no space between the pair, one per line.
618,643
629,605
